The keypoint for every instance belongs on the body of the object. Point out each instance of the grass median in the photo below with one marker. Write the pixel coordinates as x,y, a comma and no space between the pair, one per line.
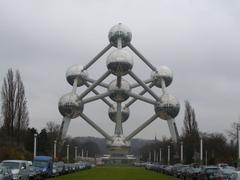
114,173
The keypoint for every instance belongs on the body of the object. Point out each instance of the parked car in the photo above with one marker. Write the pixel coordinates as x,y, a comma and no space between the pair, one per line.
228,171
235,175
44,165
5,173
211,172
19,168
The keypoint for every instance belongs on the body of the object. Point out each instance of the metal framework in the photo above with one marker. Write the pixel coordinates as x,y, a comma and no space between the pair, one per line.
119,63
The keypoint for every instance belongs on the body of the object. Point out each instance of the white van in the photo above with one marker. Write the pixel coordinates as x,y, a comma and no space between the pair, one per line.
20,169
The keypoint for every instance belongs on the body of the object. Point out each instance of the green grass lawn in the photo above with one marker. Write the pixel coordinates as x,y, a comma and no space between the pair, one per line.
114,173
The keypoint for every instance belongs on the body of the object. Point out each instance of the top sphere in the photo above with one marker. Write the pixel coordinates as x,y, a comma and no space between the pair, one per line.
120,31
76,71
163,72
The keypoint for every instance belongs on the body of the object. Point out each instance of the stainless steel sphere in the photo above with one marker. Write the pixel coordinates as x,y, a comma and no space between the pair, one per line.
168,107
76,71
162,72
69,106
112,113
120,31
119,62
119,94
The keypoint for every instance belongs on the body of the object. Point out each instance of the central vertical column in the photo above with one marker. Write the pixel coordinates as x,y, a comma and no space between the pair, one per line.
118,126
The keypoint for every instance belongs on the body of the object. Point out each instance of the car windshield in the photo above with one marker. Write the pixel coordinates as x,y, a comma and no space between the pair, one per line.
41,164
212,170
11,165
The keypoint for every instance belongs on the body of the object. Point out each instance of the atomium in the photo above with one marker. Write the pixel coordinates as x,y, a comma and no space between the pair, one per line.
69,106
76,72
122,32
119,62
117,93
168,107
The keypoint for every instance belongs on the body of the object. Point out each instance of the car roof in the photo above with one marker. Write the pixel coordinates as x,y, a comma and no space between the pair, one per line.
17,161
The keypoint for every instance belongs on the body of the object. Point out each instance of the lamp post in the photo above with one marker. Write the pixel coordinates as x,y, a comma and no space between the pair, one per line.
55,150
35,145
68,153
75,153
181,152
238,134
160,155
168,155
201,150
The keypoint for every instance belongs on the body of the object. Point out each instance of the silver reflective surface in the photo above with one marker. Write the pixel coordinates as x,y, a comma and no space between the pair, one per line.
168,107
162,72
112,113
119,62
69,106
120,31
75,71
119,94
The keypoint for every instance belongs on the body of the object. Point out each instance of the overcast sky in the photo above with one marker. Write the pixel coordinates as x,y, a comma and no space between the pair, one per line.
199,40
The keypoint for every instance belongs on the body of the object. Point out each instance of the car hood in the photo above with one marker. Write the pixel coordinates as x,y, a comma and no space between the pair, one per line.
15,171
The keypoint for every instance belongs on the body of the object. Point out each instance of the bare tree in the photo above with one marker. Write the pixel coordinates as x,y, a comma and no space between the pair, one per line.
190,123
14,106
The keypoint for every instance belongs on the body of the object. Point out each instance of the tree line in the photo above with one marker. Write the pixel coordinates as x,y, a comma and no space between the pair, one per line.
217,147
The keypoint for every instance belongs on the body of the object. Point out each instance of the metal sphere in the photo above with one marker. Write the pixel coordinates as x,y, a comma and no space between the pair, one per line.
162,72
76,71
119,62
120,31
69,106
119,94
112,113
168,107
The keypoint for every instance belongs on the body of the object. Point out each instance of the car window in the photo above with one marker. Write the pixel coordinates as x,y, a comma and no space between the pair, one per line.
23,166
11,165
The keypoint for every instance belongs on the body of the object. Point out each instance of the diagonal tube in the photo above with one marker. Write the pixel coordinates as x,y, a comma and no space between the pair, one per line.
135,99
173,129
143,85
93,81
97,93
96,127
106,74
141,57
140,128
94,98
64,128
137,84
97,57
142,98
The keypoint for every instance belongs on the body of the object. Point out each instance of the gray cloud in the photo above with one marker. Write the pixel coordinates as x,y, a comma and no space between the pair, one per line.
198,40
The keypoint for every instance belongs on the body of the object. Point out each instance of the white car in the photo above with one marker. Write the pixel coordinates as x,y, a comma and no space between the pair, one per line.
19,168
235,175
